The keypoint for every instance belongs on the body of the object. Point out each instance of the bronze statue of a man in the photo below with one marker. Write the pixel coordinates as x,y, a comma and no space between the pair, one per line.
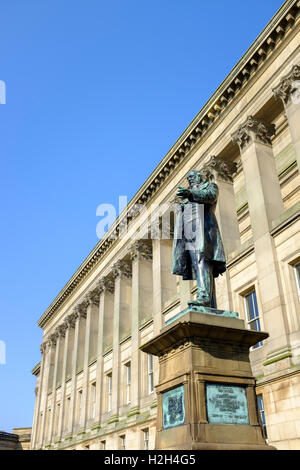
198,251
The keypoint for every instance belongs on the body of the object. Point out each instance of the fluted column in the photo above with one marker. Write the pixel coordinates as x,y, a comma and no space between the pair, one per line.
222,173
80,314
265,204
92,300
67,356
141,306
288,91
37,421
106,290
60,333
122,274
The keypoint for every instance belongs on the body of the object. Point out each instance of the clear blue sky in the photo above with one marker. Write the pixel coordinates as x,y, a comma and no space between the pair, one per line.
97,92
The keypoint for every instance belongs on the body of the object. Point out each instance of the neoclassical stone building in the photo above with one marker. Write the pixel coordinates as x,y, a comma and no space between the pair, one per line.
95,388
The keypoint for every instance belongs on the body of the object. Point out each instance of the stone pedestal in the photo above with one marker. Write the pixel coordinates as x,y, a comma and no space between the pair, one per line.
206,391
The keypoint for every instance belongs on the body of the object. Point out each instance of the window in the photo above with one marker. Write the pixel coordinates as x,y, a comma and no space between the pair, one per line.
109,391
145,439
252,315
297,277
128,382
103,445
56,418
261,410
122,442
150,374
79,404
93,400
67,412
40,427
48,417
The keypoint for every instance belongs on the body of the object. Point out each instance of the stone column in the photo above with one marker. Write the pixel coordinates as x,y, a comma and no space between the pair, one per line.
50,351
80,315
288,91
265,205
122,273
157,286
141,256
106,289
164,283
222,173
60,333
92,302
68,325
37,421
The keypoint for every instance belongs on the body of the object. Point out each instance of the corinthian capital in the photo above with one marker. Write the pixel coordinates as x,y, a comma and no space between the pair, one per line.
217,168
93,296
253,130
61,330
287,85
141,249
70,320
106,284
81,308
122,268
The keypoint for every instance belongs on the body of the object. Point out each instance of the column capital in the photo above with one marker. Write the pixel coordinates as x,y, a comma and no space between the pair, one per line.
140,249
122,268
253,130
106,284
52,339
44,347
286,87
70,320
61,330
81,308
93,296
218,169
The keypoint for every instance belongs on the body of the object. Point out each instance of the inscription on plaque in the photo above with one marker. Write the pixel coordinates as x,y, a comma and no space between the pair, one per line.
226,404
173,407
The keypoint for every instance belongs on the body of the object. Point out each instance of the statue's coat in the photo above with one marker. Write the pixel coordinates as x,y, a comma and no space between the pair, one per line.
209,241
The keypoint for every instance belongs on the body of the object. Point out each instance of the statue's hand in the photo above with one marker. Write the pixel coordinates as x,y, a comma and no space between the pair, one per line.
183,192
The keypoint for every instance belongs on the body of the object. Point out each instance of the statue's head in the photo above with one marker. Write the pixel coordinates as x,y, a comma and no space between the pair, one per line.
195,177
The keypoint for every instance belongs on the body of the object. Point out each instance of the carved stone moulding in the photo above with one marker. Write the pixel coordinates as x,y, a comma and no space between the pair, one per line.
141,249
106,284
286,87
253,129
218,168
122,268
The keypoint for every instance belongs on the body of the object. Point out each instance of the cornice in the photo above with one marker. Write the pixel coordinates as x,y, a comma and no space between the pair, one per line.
245,71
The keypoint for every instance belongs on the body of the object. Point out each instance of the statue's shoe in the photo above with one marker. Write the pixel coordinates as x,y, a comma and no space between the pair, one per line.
201,301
